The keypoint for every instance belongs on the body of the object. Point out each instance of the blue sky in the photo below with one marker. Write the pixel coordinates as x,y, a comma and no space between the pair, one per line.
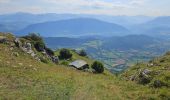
106,7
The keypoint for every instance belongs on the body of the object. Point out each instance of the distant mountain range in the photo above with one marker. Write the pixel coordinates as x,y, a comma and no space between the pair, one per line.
19,22
157,26
76,27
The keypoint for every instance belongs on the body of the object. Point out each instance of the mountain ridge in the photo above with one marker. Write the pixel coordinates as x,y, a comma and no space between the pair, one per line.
82,26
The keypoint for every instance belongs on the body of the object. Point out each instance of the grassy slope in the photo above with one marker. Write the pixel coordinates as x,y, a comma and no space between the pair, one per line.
160,70
24,78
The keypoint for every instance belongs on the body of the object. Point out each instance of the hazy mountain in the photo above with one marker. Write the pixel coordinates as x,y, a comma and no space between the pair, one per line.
22,20
157,26
137,24
76,27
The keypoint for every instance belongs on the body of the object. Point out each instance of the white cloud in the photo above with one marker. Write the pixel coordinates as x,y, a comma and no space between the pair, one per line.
111,7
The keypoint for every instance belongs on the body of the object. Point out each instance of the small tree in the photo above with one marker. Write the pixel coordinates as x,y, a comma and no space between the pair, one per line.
65,54
98,67
82,53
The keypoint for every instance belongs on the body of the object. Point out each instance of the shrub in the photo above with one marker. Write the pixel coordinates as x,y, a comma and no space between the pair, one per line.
39,46
36,40
98,67
65,54
82,53
49,51
33,36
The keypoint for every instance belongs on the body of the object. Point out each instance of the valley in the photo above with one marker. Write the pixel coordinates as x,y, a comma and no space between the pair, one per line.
115,51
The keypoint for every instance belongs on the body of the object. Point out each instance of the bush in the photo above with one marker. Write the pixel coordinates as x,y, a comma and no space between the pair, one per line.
49,51
36,40
39,46
33,36
65,54
98,67
82,53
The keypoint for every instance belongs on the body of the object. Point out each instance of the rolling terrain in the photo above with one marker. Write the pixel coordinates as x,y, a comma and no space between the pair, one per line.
113,51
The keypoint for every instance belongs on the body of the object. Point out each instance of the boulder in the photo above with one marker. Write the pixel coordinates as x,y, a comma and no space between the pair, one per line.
144,77
28,46
17,42
158,84
55,59
146,71
3,39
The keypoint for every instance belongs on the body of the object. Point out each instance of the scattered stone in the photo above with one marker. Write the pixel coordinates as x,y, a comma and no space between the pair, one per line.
21,64
44,53
16,54
150,65
33,54
38,59
11,48
30,65
35,69
132,78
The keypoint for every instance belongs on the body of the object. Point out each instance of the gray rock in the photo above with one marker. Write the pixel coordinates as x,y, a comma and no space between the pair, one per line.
38,59
146,71
28,46
157,84
17,42
3,39
132,78
33,54
55,59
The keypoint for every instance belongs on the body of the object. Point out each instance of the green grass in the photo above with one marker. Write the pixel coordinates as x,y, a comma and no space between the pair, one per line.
24,78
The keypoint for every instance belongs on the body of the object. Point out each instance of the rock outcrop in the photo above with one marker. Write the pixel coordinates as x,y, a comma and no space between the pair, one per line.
3,39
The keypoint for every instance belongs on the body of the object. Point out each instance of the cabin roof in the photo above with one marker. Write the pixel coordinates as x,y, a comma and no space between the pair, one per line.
78,63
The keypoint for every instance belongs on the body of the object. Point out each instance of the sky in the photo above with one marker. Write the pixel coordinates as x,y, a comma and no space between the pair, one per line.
102,7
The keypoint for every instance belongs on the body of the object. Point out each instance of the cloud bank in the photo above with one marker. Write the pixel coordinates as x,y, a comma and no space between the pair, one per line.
107,7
